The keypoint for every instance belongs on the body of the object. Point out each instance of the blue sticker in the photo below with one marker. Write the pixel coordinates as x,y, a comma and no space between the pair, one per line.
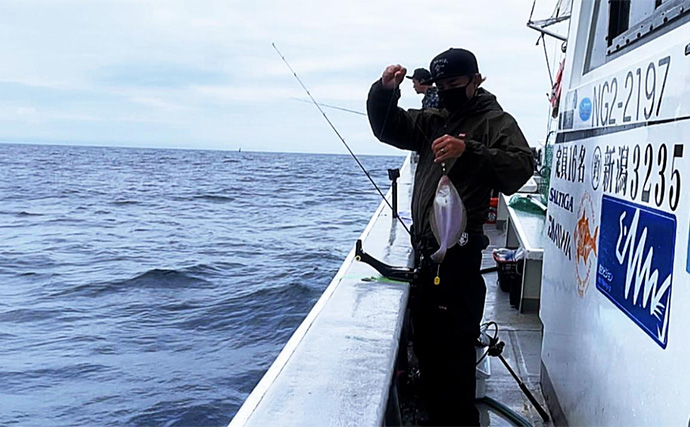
585,109
635,263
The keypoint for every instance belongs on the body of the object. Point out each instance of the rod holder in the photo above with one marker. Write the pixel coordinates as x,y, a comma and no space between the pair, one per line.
393,175
401,274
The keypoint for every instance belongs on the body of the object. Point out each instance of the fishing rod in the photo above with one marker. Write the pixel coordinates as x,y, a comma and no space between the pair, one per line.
331,106
342,139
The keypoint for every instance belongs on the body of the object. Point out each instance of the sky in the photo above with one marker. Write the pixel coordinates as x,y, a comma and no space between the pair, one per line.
203,74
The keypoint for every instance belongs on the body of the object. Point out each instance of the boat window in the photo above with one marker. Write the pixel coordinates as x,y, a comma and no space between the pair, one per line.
619,18
621,25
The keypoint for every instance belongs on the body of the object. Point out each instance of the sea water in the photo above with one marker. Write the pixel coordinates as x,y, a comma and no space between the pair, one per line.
155,286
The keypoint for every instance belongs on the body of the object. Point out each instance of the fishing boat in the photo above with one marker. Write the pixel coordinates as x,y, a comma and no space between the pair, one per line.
614,294
603,308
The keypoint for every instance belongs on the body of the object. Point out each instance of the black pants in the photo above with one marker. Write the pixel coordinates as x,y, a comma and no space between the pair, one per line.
445,320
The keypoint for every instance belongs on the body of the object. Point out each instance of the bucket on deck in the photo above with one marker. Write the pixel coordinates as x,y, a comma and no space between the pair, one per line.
509,264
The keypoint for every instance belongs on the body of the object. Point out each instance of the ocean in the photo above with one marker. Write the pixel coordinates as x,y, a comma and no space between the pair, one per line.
155,286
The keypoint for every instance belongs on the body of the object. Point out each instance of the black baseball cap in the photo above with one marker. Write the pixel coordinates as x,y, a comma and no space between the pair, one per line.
453,63
420,74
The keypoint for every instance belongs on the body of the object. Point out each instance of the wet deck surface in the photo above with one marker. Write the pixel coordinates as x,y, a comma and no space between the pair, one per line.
521,333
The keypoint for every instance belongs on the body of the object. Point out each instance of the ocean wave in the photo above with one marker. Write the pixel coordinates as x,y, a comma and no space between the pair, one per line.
151,279
125,202
174,413
280,293
214,197
27,315
25,213
55,374
212,269
68,191
28,274
65,220
162,278
255,313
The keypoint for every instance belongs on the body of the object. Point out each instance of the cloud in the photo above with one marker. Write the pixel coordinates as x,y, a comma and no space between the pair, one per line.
204,73
158,103
161,74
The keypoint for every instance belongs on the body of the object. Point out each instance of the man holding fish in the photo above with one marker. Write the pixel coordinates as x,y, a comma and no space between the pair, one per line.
466,148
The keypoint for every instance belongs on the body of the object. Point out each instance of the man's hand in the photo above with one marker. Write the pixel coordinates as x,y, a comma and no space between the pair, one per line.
393,75
448,147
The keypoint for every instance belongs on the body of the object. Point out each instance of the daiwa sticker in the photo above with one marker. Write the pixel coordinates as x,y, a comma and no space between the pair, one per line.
635,264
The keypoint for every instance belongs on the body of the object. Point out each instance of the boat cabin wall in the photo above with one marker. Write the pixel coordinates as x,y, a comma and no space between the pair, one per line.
615,300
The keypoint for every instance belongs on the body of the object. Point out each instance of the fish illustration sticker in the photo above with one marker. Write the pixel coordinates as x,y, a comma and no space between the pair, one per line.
635,263
585,234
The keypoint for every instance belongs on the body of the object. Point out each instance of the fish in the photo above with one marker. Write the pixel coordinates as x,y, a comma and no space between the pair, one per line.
448,218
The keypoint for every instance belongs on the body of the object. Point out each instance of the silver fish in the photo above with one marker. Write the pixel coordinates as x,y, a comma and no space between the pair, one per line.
448,219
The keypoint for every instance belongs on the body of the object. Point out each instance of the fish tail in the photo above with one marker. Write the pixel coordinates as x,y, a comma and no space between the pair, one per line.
438,256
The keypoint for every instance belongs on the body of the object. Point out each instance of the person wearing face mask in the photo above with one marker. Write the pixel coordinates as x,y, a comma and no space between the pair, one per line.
481,148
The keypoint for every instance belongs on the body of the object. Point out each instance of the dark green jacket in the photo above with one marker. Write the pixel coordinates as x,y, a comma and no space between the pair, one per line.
496,156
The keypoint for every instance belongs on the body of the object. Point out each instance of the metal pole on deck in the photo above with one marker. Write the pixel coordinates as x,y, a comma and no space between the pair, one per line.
495,350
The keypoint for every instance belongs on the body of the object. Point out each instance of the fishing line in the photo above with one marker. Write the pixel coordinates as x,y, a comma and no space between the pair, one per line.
392,104
347,110
341,138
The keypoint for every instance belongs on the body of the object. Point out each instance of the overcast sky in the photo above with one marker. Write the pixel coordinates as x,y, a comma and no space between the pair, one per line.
203,74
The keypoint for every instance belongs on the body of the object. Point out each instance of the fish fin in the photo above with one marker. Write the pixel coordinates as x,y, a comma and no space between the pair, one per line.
438,256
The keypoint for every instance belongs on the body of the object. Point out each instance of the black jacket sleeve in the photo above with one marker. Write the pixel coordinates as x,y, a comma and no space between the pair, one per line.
390,123
506,157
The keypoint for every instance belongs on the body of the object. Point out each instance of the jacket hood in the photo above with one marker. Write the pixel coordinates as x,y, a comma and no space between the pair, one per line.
483,101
